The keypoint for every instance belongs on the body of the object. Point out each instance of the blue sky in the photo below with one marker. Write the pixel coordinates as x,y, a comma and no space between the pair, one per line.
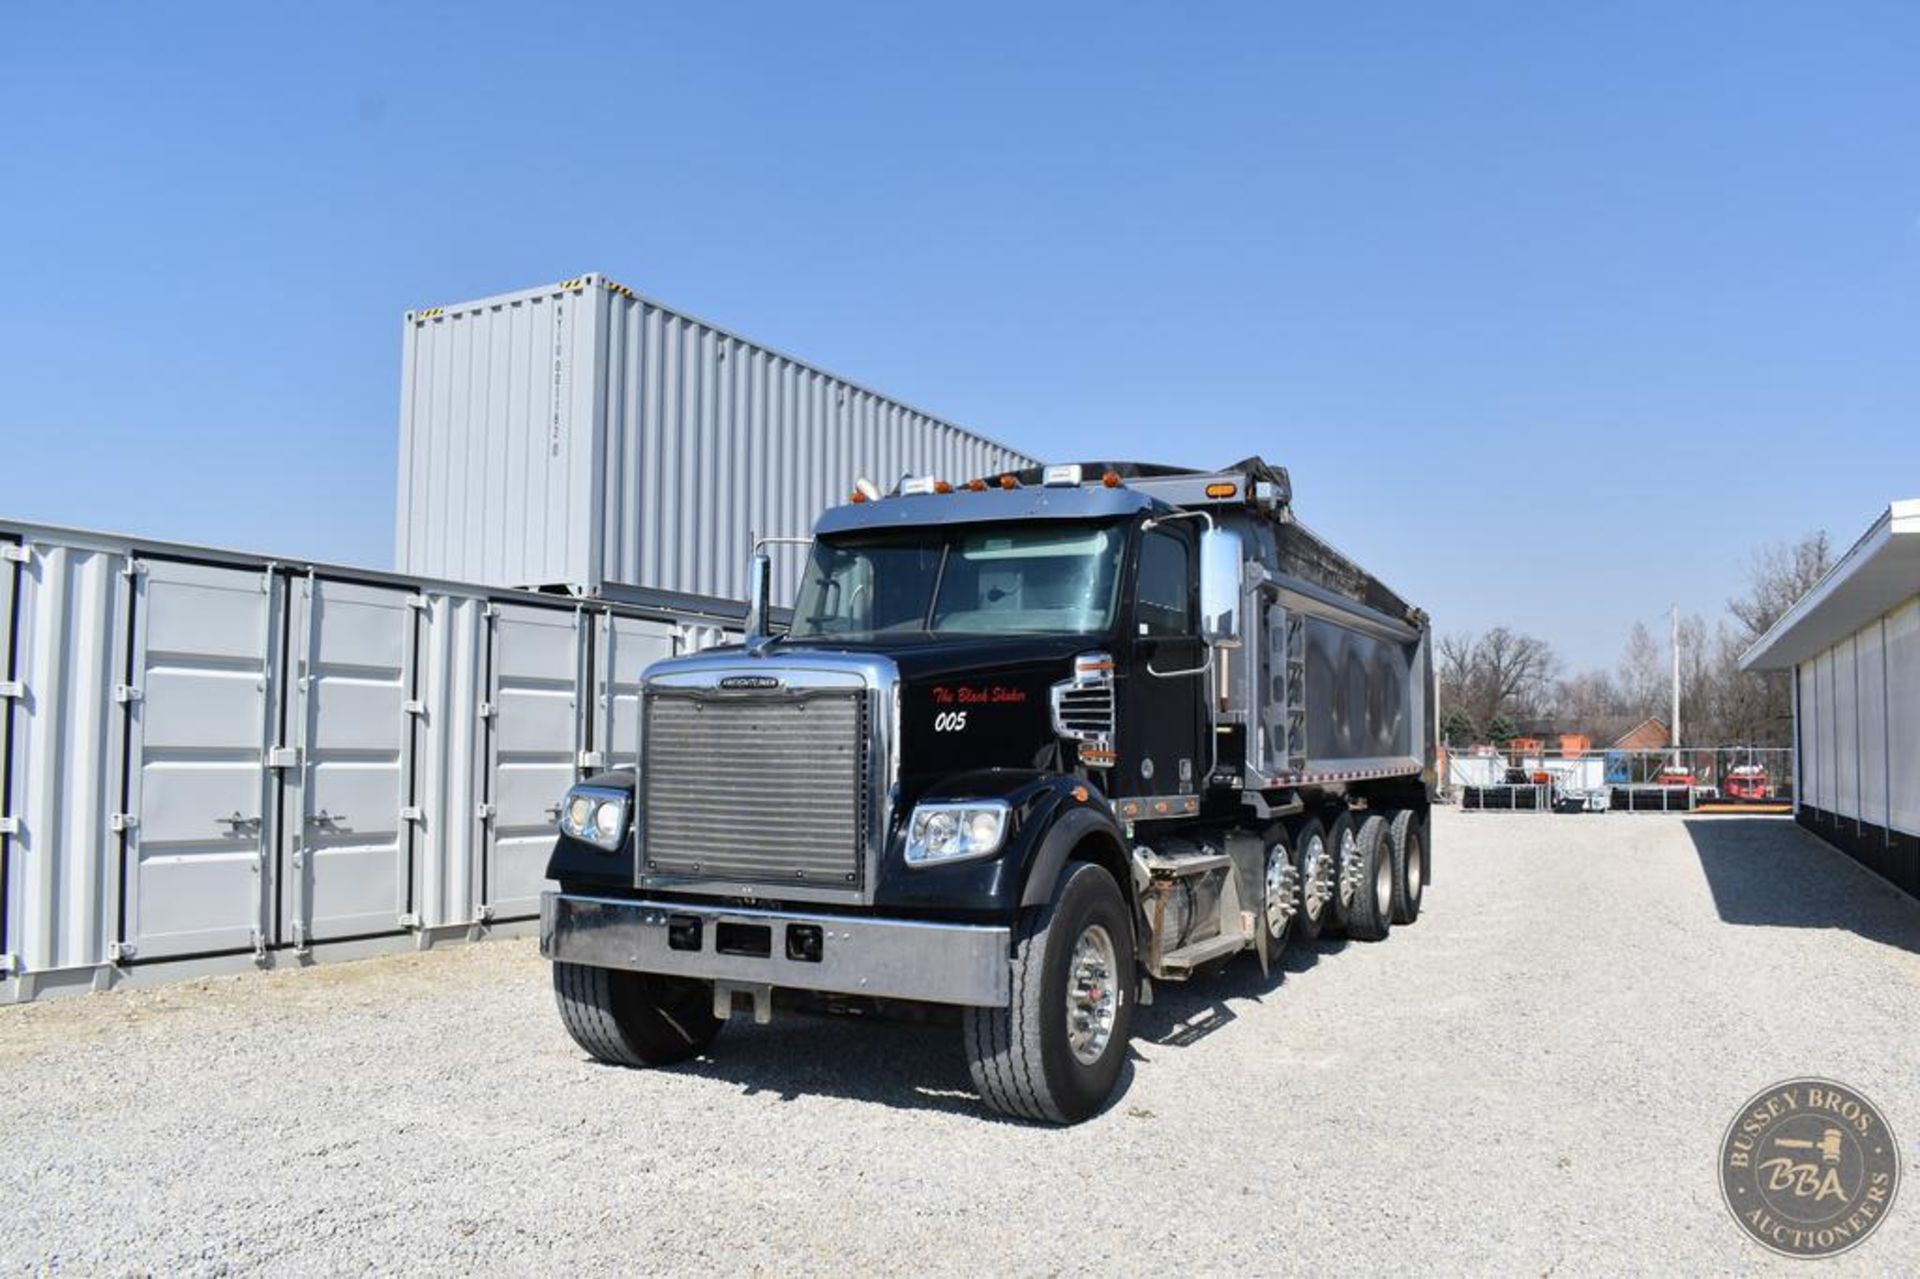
1553,311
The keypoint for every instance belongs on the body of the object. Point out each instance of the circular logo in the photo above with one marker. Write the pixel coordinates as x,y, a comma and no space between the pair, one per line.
1809,1167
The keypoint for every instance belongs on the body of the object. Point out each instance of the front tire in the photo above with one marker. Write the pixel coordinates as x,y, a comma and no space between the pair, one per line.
634,1019
1054,1053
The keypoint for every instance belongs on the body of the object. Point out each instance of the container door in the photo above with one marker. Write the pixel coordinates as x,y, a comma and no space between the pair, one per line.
534,748
627,647
348,864
203,716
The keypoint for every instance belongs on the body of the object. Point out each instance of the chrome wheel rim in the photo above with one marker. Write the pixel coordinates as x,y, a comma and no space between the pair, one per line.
1283,887
1316,878
1383,887
1093,995
1349,867
1414,870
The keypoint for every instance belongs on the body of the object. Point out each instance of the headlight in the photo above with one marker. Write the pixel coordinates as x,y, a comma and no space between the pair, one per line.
597,814
955,832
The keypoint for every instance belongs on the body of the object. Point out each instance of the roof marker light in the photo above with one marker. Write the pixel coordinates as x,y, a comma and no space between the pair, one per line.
1008,482
1222,490
976,486
1111,479
941,486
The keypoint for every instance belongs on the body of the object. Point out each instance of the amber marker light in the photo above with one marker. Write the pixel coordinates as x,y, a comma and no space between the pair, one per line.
1008,482
1222,490
976,486
857,496
941,486
1111,479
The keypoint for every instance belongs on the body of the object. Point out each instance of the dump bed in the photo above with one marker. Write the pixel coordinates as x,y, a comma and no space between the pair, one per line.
1333,680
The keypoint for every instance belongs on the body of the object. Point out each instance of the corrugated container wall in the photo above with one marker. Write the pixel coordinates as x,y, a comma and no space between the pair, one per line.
585,437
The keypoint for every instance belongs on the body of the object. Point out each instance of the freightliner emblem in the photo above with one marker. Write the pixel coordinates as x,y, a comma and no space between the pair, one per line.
750,681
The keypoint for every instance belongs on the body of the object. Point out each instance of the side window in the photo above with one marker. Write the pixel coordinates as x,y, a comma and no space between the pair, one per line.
1165,586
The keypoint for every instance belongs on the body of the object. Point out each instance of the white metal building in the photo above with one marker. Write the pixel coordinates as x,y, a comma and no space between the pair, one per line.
1853,643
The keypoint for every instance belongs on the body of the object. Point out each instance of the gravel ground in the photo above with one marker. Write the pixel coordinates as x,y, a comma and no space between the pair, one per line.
1533,1079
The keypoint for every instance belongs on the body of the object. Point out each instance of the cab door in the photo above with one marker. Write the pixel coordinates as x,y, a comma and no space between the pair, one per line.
1162,733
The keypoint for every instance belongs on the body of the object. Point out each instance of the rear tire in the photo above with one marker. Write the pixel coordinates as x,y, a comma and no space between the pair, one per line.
1343,842
1313,860
1281,889
1407,841
634,1019
1369,915
1054,1054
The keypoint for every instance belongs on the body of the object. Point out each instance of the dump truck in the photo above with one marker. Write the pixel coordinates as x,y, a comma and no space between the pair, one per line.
1025,746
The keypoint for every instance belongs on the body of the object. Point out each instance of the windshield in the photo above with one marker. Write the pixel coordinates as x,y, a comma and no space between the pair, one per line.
1048,579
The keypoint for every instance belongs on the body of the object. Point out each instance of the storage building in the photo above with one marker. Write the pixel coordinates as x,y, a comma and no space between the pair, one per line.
1853,645
581,437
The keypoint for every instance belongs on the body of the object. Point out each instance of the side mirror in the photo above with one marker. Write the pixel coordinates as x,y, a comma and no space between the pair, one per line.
1220,557
760,593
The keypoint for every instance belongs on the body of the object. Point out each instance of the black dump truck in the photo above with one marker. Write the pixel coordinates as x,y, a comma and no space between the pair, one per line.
1029,744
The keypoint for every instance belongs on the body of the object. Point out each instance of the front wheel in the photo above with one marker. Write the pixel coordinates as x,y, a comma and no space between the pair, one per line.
1055,1052
634,1019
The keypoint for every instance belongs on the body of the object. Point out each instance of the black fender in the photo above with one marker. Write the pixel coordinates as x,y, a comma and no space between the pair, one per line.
1072,825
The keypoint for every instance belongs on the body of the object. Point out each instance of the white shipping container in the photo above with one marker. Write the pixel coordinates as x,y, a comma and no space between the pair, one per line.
587,438
211,759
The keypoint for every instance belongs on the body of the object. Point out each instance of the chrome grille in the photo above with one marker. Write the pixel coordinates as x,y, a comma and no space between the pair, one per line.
761,789
1083,709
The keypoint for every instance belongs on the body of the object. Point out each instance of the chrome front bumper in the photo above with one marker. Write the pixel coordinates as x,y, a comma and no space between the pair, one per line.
854,955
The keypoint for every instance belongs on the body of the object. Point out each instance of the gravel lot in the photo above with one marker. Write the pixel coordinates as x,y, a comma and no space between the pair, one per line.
1533,1079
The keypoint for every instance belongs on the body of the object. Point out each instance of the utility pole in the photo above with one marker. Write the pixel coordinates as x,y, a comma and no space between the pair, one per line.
1675,725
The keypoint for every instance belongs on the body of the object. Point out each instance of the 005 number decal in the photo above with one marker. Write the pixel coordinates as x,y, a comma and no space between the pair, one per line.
950,722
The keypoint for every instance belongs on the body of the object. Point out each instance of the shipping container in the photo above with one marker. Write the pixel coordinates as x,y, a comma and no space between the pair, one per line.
211,760
586,438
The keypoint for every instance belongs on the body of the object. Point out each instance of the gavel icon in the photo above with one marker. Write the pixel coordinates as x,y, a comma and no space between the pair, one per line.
1828,1145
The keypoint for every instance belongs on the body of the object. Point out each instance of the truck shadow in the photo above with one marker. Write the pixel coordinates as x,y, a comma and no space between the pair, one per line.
918,1063
1184,1013
1767,871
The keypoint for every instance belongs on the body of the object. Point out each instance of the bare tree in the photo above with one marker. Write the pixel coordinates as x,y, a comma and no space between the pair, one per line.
1591,702
1756,708
1500,674
1644,676
1780,575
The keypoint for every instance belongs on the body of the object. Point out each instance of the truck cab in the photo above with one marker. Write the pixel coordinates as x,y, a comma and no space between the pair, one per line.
1024,746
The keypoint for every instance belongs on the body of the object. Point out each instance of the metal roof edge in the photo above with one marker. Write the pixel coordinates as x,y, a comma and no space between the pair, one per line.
1900,519
665,604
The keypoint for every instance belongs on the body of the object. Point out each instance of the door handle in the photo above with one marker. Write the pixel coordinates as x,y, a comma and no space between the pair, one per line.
1201,669
237,825
332,821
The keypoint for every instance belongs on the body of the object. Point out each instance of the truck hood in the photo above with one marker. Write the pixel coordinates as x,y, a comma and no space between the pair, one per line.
925,657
